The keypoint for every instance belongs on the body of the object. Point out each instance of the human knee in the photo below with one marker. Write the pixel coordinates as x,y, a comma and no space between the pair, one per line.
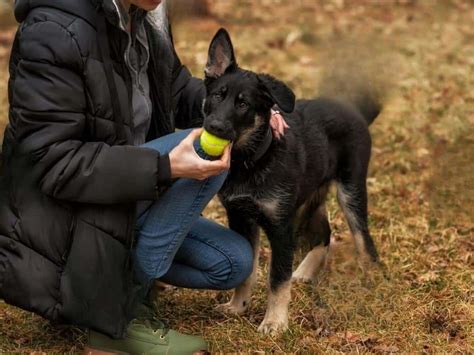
240,266
245,268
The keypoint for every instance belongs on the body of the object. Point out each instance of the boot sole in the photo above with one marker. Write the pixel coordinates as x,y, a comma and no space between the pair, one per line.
93,351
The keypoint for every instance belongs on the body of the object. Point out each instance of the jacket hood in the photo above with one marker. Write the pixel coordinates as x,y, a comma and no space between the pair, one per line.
82,8
87,10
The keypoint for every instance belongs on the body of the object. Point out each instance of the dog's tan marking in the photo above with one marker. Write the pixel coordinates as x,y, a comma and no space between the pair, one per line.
242,294
363,258
247,133
311,264
276,316
344,197
271,208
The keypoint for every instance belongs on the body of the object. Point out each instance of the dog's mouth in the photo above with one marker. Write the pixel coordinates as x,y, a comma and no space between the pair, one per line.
219,132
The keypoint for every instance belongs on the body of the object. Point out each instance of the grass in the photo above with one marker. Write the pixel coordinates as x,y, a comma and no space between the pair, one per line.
420,182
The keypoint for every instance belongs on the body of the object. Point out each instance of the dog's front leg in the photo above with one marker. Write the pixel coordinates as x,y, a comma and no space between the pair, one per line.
242,294
282,244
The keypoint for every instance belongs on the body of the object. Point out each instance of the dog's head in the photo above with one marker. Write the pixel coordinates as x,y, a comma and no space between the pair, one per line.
238,101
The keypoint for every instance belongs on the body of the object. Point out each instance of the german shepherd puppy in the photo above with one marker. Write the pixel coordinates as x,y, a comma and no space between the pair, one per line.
275,183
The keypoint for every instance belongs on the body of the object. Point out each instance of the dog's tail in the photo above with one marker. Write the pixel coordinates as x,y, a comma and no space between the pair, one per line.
353,74
367,104
361,95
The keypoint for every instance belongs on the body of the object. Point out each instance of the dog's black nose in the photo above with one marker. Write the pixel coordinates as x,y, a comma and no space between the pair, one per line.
217,128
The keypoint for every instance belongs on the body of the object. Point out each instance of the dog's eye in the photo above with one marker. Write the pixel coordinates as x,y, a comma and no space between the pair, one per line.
242,105
217,96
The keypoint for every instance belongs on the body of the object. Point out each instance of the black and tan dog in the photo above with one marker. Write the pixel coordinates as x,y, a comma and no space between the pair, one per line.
273,183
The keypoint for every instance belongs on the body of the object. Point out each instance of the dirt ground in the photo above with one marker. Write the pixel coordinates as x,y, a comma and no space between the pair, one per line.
421,205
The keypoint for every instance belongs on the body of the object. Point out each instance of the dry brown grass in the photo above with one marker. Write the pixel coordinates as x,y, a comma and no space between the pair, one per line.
421,183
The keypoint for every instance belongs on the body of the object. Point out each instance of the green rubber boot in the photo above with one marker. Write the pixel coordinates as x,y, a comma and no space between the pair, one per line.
146,335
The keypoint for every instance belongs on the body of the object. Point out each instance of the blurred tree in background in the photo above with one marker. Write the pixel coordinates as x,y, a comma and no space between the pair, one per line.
190,7
6,13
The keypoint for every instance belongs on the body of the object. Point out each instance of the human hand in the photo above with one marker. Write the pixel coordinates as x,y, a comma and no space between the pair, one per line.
185,162
278,124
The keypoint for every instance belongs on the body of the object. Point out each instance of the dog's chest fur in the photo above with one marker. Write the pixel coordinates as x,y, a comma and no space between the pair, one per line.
257,195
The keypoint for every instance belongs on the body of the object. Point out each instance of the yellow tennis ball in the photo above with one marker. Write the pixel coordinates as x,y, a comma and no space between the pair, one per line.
212,145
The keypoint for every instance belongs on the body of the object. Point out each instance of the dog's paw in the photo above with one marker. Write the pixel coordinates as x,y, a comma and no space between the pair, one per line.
302,278
233,307
367,265
313,263
273,326
373,273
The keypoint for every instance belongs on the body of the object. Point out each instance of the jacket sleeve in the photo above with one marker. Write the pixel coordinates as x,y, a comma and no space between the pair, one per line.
188,94
48,112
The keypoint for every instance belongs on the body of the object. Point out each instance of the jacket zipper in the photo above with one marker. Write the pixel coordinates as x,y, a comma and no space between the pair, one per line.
71,231
131,226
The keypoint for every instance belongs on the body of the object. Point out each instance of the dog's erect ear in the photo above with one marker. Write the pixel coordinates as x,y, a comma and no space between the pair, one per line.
281,94
220,56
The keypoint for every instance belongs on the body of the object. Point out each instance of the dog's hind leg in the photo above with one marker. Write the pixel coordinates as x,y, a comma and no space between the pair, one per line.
242,294
352,197
314,228
318,232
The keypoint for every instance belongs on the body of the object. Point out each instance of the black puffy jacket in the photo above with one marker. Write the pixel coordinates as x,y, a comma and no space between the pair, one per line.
71,176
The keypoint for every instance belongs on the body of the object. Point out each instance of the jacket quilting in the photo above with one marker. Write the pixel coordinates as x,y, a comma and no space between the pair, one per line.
68,190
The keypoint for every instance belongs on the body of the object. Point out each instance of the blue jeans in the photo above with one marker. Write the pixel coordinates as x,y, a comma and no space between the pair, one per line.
178,246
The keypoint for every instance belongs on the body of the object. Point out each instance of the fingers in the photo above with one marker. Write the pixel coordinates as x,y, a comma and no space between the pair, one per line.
281,127
211,168
274,125
282,123
198,168
225,158
224,162
195,134
274,120
216,167
192,136
278,124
